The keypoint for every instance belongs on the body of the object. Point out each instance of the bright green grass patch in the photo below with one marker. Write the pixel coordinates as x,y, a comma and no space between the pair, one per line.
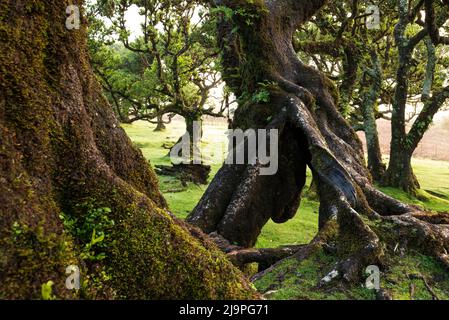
433,176
434,179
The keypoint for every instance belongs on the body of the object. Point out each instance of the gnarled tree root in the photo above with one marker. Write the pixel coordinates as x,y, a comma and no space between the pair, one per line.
196,173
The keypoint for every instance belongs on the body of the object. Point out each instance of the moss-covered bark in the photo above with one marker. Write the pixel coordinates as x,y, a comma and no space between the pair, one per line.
368,107
61,147
303,106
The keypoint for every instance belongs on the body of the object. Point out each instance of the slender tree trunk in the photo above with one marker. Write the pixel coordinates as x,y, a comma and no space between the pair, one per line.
160,124
192,169
192,136
194,126
375,164
399,173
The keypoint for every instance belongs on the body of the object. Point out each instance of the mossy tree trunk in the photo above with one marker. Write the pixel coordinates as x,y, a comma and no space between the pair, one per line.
403,145
368,107
303,107
61,147
400,172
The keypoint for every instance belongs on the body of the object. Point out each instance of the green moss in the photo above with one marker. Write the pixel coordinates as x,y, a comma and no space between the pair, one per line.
38,256
299,280
410,270
165,258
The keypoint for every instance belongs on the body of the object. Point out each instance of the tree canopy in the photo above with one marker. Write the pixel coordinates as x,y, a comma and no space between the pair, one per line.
169,67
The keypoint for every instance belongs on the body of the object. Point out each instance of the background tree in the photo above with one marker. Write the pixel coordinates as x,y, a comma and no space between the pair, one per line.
338,42
400,173
365,65
171,68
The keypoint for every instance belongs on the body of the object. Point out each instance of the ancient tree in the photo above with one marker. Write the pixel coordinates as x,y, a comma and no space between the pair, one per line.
63,154
258,55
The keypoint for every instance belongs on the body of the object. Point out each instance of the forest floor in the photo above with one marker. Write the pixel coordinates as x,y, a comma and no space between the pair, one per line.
407,276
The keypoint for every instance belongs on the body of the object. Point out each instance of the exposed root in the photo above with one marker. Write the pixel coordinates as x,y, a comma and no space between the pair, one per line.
196,173
264,257
323,237
418,230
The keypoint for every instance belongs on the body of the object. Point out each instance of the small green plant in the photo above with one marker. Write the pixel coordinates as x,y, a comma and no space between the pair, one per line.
47,291
90,231
261,96
247,15
227,12
16,229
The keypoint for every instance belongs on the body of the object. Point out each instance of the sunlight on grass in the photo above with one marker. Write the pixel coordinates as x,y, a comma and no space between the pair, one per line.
433,176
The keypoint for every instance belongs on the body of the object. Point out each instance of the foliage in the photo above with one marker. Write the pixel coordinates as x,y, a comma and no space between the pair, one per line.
91,231
169,68
412,69
340,45
47,289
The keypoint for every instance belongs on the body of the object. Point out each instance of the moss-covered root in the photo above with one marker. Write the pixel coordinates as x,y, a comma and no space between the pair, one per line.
409,276
406,272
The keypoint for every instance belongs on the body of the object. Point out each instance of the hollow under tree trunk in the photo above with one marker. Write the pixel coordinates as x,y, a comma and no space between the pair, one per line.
60,147
302,106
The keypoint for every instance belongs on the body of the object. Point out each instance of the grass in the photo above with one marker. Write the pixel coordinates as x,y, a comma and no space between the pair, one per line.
293,280
403,273
433,176
434,179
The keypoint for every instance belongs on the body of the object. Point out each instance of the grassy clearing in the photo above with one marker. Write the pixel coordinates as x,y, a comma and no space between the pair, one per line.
433,175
